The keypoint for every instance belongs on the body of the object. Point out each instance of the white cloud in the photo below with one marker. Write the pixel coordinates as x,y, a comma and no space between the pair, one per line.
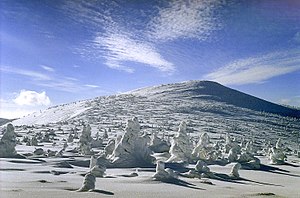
292,101
185,19
120,48
257,69
47,68
32,98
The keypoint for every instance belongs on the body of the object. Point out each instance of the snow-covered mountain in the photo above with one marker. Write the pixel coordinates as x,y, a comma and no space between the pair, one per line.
206,106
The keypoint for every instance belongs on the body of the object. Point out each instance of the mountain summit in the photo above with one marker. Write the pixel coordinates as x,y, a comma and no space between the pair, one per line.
209,90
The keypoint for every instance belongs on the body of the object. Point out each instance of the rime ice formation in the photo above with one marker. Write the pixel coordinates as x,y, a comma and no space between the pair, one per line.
70,138
162,174
88,183
93,162
132,150
201,150
216,152
235,170
50,153
233,155
267,148
247,157
158,145
201,167
277,155
105,134
180,149
33,141
109,148
98,166
97,169
8,142
202,170
46,138
96,143
231,143
85,140
279,144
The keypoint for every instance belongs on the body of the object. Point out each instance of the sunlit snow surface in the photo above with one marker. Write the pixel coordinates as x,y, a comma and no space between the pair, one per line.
205,106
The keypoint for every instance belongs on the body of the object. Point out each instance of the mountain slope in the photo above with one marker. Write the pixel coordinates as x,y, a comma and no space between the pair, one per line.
206,106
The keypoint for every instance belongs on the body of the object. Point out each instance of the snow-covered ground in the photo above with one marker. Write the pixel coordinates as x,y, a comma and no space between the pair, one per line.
205,106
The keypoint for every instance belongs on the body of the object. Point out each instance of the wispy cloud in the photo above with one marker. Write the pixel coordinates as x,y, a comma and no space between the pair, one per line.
52,80
297,37
257,69
121,40
28,73
115,39
185,19
91,86
47,68
120,48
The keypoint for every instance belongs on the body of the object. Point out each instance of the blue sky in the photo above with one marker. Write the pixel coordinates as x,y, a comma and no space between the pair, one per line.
57,51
